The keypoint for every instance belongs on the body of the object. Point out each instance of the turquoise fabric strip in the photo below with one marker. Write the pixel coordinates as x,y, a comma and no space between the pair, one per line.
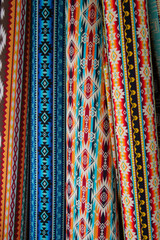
47,199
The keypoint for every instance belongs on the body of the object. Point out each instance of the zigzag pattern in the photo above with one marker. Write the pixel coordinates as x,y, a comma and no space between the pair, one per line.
12,106
59,121
33,130
23,129
17,116
5,119
90,112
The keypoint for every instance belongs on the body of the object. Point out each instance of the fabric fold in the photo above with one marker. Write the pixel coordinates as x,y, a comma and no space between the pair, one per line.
78,119
128,52
91,201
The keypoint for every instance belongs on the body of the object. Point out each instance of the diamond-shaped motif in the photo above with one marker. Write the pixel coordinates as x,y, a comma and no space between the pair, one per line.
145,71
44,117
72,50
45,83
114,55
149,109
85,159
45,48
142,32
88,88
121,131
44,183
45,13
70,190
130,234
103,196
111,16
118,93
44,216
104,125
44,151
151,146
124,166
91,14
83,228
70,121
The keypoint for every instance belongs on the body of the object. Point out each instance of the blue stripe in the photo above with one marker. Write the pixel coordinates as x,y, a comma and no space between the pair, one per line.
33,155
60,160
45,93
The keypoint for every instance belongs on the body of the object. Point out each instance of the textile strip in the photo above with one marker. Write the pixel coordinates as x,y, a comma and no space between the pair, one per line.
91,205
3,51
59,132
34,123
23,162
154,20
4,19
134,116
47,121
12,110
149,116
45,113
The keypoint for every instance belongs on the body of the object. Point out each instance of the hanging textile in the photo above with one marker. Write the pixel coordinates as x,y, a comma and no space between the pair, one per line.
14,52
47,175
154,19
91,182
128,51
78,119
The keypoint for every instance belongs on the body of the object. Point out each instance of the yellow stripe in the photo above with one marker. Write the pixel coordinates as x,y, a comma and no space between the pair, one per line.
140,119
129,118
7,116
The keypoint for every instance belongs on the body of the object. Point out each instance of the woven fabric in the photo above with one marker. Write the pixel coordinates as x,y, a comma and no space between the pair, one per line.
154,20
91,209
128,51
79,119
15,35
47,176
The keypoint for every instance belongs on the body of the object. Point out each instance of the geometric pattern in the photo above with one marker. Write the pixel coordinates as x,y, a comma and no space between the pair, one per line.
71,121
72,50
47,195
45,89
154,20
103,196
88,87
82,228
78,138
90,193
133,115
70,189
85,159
104,125
92,14
59,136
14,85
